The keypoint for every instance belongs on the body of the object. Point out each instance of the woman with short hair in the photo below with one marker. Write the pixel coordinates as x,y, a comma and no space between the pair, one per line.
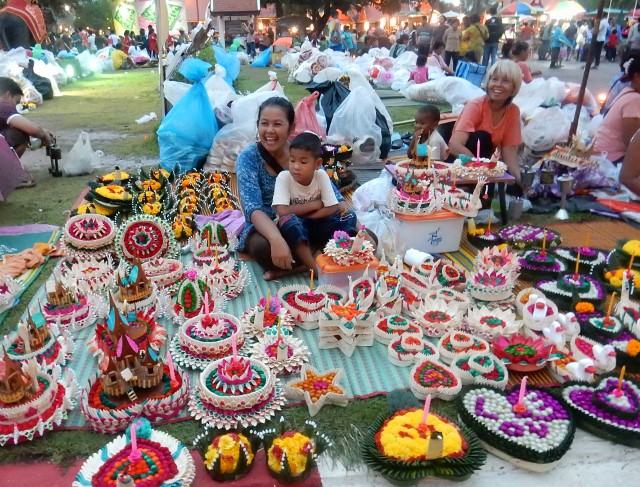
492,119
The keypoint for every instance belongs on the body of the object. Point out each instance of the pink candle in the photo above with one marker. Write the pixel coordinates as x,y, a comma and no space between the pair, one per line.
523,388
172,371
135,455
520,407
234,347
206,302
425,411
478,151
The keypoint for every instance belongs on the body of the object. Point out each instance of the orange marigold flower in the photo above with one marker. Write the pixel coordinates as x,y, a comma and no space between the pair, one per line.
584,307
633,347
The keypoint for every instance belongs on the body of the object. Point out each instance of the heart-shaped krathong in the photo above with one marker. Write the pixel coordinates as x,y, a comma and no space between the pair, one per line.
602,410
432,377
542,433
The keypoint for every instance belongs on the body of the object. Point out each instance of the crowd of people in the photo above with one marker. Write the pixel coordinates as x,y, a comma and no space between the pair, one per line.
80,39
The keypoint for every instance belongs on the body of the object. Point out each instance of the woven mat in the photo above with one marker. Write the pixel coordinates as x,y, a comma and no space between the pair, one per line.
601,234
368,372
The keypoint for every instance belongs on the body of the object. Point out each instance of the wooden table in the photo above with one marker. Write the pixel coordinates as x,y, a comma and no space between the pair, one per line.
501,181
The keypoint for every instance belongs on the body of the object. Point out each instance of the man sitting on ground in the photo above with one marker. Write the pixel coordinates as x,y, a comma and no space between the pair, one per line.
15,128
120,59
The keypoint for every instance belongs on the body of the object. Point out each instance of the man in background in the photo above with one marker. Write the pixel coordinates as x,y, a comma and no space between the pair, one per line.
496,29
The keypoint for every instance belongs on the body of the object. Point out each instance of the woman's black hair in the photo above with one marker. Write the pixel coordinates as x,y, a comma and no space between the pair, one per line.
474,18
307,141
519,47
281,103
631,66
421,61
437,45
507,49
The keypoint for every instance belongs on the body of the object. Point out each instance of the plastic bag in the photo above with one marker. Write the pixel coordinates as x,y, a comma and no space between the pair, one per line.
229,62
333,94
546,128
355,118
245,109
385,80
194,69
228,143
272,85
306,116
455,91
262,60
81,157
373,192
40,83
186,133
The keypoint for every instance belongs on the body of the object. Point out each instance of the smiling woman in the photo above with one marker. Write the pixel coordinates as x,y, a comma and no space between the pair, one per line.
492,120
257,168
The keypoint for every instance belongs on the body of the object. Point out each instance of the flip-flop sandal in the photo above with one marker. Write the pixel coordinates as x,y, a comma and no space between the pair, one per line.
27,184
397,144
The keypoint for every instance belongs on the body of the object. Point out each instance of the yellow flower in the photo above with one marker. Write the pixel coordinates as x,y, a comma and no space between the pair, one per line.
616,277
151,208
476,232
297,447
150,185
400,437
114,192
632,247
228,448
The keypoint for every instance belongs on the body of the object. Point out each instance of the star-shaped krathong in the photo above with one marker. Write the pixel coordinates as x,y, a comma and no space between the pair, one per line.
317,388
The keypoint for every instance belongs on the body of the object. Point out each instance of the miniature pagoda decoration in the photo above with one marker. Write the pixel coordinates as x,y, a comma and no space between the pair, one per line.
57,293
15,384
134,363
33,332
134,287
411,185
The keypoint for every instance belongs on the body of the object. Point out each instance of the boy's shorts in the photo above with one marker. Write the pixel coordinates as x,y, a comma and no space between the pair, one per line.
315,231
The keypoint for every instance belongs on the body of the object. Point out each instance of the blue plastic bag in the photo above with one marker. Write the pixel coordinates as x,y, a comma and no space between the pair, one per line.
186,133
194,69
263,59
229,62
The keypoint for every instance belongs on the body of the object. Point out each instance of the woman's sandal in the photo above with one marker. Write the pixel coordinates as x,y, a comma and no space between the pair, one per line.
27,184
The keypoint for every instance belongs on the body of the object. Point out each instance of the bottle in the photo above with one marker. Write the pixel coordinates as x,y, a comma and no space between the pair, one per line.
34,143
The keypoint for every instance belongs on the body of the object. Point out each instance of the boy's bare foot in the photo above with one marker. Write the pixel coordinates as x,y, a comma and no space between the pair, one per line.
277,274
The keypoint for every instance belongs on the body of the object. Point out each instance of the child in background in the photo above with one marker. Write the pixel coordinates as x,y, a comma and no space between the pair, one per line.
426,121
612,46
421,73
520,54
305,201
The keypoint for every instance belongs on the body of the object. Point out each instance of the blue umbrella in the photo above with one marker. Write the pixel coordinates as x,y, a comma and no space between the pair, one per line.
517,8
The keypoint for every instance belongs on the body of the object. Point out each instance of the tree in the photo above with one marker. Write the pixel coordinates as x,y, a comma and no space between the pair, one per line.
320,11
96,14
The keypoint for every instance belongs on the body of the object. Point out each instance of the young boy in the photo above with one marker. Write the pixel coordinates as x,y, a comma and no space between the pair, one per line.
306,204
427,119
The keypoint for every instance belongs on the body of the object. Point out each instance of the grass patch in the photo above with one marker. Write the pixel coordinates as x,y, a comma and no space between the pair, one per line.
48,202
